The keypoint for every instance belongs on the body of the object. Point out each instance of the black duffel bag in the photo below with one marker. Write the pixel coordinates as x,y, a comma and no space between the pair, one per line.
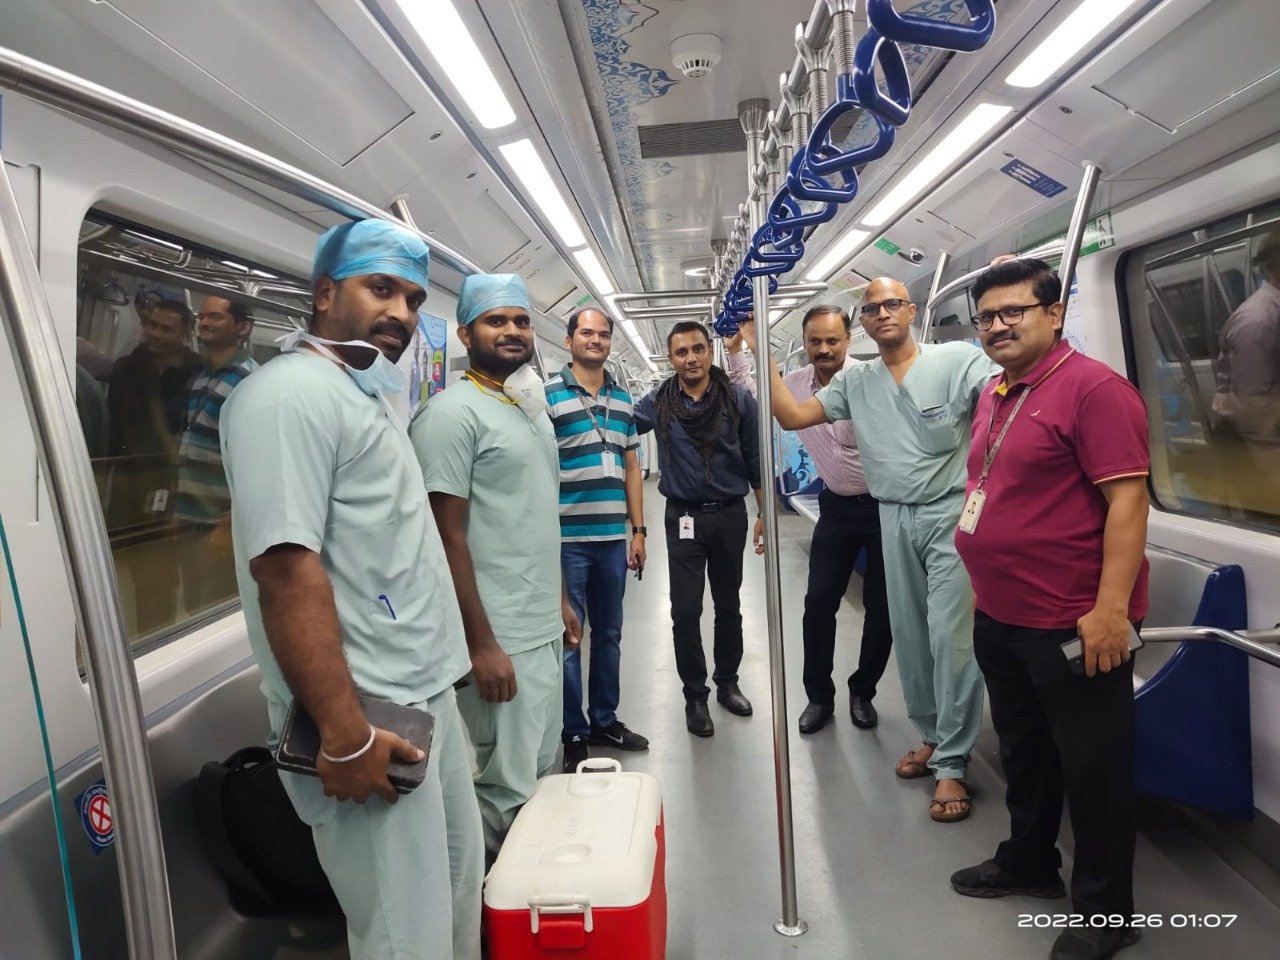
257,841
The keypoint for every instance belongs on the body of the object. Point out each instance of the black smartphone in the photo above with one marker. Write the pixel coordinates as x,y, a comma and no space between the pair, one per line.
300,739
639,572
1073,649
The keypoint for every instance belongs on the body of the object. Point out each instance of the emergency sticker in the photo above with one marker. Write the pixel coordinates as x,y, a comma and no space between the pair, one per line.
95,813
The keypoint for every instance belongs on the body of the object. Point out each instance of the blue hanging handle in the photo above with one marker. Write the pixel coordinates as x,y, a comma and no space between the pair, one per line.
785,212
892,105
927,32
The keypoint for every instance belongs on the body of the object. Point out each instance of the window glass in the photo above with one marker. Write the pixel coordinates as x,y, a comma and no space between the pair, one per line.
1205,322
165,331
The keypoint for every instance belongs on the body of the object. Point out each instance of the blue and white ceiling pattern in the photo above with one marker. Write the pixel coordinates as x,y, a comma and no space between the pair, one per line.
630,89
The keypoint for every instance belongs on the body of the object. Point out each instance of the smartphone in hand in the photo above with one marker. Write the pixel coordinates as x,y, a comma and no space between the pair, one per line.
1073,650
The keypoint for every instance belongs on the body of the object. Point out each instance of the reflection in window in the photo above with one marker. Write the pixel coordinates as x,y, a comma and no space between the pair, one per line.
165,331
1205,308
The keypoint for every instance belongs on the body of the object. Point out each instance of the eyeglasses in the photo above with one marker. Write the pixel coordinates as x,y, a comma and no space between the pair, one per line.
1009,316
870,310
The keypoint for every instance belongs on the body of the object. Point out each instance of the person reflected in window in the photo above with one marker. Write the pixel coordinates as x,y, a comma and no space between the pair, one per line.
1247,401
145,396
203,507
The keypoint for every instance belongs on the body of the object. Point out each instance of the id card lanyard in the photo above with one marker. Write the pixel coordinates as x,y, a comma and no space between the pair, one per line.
607,459
972,510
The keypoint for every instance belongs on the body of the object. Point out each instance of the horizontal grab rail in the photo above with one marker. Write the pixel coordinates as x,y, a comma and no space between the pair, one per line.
1252,642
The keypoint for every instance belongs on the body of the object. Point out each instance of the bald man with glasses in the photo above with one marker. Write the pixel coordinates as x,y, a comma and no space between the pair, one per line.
911,409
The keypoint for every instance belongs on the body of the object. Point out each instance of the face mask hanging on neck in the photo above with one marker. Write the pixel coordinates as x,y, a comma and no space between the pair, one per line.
525,388
381,378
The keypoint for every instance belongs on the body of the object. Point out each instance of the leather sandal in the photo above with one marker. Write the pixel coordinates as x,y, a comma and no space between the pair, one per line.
938,809
909,768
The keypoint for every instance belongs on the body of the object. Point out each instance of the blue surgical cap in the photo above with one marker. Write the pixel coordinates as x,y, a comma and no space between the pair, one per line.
371,246
482,292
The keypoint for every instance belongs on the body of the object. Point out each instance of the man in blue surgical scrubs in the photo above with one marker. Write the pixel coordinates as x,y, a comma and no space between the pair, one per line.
345,588
492,471
911,409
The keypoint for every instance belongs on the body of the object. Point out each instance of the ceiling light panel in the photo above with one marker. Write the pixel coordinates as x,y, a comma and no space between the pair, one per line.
523,159
438,25
1082,25
980,121
837,254
590,265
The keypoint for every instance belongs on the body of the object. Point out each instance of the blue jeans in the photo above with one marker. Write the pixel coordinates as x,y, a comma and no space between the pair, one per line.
595,577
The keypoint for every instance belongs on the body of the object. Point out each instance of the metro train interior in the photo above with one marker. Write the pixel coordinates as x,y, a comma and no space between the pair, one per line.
623,154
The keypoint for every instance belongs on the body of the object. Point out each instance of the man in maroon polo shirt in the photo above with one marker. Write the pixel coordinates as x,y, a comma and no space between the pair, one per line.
1052,534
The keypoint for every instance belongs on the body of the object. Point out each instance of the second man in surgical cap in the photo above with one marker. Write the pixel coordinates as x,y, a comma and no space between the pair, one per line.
489,458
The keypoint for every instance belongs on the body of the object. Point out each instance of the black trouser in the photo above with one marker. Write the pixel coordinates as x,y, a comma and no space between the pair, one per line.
715,553
1060,730
845,526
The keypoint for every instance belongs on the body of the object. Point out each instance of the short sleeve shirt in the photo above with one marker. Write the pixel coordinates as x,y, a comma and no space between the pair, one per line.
473,445
593,434
1035,557
312,460
913,438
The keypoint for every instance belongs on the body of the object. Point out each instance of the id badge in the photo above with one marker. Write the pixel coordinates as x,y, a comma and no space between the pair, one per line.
972,511
610,464
686,527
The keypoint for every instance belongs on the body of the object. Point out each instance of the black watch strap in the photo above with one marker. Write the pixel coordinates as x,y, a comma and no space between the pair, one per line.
643,531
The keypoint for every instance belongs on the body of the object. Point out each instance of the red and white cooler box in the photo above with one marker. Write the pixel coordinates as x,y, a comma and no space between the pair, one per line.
583,870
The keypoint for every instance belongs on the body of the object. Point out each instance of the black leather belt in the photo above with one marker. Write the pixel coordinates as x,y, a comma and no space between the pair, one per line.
704,506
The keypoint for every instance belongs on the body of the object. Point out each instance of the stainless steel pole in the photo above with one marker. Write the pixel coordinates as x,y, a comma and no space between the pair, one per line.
926,325
1075,233
50,402
753,114
56,88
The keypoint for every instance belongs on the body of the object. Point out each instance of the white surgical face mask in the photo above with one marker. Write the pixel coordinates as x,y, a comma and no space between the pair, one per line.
525,388
381,378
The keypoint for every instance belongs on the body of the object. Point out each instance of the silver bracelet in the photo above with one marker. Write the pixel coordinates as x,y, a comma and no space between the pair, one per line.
373,735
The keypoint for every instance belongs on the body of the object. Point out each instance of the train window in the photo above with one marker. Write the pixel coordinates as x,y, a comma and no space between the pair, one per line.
1205,323
165,330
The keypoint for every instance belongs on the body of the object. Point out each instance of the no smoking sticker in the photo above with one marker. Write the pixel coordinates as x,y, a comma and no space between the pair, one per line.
95,813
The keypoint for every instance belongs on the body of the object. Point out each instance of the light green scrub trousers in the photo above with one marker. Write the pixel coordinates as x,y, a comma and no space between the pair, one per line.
931,611
516,741
407,874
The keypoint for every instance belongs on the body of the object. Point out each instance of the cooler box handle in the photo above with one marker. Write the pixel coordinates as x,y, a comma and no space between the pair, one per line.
599,763
560,904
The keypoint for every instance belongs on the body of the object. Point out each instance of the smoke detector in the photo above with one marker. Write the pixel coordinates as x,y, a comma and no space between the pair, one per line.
696,54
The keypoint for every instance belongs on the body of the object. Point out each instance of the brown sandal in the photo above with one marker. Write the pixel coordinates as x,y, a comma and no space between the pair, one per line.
909,768
940,815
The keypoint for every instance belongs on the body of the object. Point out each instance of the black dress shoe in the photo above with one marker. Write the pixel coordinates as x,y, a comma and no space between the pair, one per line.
862,713
989,880
731,699
698,718
815,716
1093,943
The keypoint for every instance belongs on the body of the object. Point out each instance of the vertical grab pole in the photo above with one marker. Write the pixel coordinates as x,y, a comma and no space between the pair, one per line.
1075,233
113,684
753,116
926,325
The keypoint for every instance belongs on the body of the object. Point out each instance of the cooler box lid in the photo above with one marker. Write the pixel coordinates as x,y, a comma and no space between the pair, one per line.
588,837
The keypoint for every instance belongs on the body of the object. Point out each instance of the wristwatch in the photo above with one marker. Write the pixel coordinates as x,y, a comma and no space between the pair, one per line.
643,531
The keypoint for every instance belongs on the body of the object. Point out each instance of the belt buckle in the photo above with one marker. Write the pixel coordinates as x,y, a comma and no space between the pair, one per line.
709,506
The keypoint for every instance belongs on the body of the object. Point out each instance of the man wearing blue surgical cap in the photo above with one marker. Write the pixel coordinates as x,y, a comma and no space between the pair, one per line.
345,588
492,472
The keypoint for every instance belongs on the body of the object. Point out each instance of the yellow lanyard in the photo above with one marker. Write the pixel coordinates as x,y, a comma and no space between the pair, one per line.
471,375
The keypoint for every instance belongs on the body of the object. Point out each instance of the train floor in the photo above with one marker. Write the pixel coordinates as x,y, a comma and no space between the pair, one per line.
872,867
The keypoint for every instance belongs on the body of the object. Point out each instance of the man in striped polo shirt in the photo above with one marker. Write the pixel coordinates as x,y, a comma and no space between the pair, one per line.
601,494
203,504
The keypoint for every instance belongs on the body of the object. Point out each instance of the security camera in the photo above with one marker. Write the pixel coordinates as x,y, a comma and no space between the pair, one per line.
915,255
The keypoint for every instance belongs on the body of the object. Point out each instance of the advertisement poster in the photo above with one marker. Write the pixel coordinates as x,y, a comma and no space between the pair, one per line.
428,370
1072,325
